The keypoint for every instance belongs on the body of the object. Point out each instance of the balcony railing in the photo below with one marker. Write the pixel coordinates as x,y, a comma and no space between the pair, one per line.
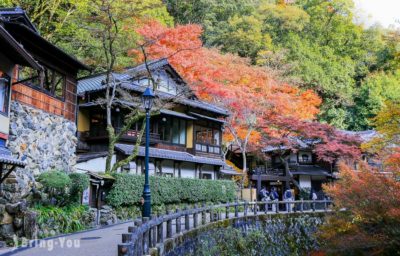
101,133
205,148
269,171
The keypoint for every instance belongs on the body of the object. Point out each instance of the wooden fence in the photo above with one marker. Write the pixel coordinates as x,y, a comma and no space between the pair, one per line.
148,233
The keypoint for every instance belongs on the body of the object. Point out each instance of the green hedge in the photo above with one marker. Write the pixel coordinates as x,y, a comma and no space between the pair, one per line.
127,190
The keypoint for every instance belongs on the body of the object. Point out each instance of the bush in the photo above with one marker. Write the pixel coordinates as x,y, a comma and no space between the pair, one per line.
79,182
54,180
56,184
54,220
128,188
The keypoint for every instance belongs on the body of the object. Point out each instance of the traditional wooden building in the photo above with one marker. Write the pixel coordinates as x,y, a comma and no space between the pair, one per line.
37,99
185,139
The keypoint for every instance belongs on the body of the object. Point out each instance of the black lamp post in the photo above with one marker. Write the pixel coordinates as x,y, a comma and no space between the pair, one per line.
147,98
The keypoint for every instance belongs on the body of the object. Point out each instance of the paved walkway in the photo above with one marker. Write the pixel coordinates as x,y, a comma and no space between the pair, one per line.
98,242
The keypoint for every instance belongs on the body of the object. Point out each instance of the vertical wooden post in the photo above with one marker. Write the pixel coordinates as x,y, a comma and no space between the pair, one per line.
212,217
245,208
139,242
227,211
187,221
125,249
160,232
277,206
169,226
255,208
266,207
325,206
236,209
146,236
203,215
302,205
178,223
195,216
153,239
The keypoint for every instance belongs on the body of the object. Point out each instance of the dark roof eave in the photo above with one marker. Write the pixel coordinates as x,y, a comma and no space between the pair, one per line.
65,58
19,50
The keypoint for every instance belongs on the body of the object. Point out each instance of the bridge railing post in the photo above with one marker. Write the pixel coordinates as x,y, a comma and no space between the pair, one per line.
169,225
203,215
277,206
160,231
245,208
178,222
266,205
195,216
139,239
146,236
153,232
236,209
325,205
255,207
187,221
125,249
227,211
302,205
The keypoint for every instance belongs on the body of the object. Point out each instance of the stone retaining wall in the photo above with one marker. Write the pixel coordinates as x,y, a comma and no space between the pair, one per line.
48,142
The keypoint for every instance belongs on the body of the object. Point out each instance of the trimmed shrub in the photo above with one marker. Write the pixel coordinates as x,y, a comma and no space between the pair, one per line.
54,180
79,182
56,184
128,188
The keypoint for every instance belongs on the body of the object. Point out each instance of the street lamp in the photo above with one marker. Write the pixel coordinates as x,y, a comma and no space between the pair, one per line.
147,98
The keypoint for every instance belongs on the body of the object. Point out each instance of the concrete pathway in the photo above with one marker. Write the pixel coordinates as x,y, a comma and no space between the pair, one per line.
97,242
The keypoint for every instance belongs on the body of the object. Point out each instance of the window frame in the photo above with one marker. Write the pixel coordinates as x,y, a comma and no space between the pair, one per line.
7,94
41,88
169,124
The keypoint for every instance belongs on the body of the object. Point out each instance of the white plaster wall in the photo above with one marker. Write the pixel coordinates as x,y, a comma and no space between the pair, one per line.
293,157
168,166
187,170
94,165
305,181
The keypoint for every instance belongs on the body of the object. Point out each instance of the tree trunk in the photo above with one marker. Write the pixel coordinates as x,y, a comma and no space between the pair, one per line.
288,173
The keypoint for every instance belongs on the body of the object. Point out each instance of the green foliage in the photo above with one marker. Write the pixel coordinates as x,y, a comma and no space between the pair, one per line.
62,220
79,182
374,91
127,190
55,181
74,25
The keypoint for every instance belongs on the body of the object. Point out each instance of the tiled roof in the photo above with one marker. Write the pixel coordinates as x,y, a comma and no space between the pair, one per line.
170,154
17,13
7,158
312,170
363,135
96,83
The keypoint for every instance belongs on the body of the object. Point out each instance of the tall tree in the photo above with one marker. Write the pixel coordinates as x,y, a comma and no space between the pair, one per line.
366,220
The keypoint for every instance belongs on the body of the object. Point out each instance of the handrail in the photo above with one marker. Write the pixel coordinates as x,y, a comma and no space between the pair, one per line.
147,233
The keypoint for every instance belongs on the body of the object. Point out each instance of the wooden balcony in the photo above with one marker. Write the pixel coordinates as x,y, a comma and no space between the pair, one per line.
130,136
207,149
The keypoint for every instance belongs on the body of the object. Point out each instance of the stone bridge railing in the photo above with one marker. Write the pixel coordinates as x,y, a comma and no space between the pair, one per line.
150,236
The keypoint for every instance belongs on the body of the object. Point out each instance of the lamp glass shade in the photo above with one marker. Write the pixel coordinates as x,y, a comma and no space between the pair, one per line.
147,98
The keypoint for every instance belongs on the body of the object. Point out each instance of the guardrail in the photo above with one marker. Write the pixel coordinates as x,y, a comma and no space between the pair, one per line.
148,233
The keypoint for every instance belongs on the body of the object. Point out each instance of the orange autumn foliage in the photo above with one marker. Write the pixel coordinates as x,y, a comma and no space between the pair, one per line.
371,220
226,79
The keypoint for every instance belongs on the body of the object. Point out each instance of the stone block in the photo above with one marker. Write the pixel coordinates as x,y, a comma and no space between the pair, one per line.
7,231
6,218
30,225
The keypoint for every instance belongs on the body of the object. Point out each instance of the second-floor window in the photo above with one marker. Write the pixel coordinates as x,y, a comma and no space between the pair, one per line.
4,93
208,140
49,80
172,130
